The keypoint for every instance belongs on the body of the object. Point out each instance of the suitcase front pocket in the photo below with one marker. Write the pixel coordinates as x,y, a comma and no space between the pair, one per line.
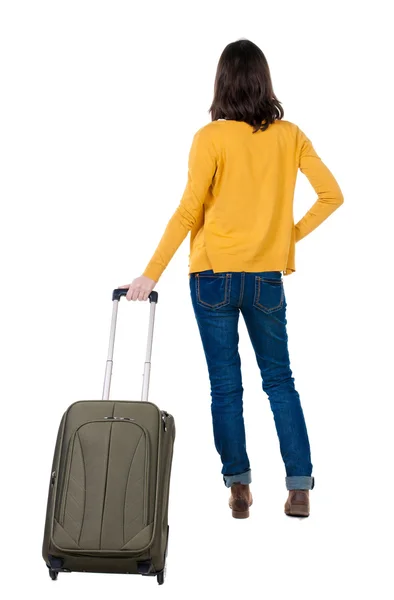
104,499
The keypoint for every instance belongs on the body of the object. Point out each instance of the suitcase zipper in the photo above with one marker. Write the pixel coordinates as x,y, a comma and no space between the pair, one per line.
118,419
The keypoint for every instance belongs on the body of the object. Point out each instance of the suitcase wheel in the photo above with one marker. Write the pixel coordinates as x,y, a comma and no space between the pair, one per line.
161,575
53,574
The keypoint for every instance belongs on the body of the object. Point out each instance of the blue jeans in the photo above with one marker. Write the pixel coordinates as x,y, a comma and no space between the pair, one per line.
217,299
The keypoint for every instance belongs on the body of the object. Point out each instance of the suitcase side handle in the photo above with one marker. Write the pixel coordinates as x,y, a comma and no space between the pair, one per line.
116,296
119,292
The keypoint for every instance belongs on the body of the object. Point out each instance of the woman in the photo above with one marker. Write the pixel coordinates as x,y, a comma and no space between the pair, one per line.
238,206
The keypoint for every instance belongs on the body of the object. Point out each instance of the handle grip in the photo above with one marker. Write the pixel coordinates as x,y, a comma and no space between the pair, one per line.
119,292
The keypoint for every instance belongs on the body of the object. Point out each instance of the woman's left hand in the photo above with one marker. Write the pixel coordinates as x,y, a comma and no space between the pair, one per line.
139,289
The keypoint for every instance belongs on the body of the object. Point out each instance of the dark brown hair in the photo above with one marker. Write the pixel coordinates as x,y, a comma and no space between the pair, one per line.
243,87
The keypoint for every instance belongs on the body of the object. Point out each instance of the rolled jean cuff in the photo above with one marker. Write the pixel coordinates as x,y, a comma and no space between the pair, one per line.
245,478
300,482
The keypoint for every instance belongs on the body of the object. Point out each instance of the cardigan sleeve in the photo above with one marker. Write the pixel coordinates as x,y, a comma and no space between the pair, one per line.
201,170
329,194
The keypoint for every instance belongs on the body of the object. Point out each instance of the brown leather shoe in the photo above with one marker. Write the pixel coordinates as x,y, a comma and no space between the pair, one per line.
240,500
297,504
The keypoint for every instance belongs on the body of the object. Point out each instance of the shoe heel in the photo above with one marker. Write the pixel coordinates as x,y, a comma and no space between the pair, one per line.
296,512
237,514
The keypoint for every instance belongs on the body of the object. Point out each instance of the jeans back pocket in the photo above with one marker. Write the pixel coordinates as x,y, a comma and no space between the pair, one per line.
213,291
269,294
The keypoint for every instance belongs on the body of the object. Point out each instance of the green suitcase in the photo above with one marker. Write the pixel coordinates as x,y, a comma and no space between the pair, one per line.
109,488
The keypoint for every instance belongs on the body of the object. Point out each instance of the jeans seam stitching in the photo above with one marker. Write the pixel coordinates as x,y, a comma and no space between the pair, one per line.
241,298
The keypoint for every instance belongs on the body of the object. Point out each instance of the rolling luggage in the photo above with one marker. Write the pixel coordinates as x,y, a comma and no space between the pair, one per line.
109,488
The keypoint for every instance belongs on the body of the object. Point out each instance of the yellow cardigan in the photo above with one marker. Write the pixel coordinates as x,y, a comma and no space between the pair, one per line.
238,201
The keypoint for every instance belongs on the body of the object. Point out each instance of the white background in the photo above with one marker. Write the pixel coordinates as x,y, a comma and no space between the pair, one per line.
99,104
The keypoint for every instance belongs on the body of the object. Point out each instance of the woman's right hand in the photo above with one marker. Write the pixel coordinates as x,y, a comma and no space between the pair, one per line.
139,289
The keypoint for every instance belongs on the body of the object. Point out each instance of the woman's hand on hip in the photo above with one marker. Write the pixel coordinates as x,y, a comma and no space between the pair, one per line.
139,289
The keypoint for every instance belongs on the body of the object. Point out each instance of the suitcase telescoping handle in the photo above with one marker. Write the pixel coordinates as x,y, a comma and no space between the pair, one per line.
116,296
